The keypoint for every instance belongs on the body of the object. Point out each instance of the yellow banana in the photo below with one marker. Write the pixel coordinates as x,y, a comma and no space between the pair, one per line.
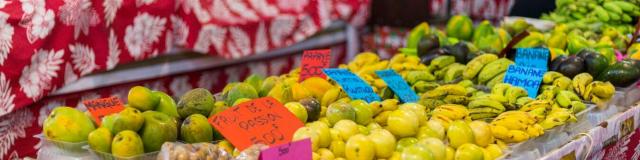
551,76
581,81
317,86
500,89
493,69
486,103
517,136
452,111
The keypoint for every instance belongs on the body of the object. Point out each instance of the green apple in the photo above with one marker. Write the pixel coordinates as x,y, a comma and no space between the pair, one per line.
196,129
100,140
364,112
403,123
298,110
359,147
346,128
166,105
142,98
68,125
384,142
469,151
128,119
158,128
338,111
127,144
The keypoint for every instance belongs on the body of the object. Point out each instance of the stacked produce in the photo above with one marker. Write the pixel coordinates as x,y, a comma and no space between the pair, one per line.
594,14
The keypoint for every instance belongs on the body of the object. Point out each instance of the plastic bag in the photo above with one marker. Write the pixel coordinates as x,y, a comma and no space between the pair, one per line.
195,151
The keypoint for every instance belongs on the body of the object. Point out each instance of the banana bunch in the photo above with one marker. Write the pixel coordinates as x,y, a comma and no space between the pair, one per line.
487,69
446,69
616,11
511,97
448,113
569,100
553,78
444,94
484,108
515,126
557,116
593,15
402,64
537,108
595,91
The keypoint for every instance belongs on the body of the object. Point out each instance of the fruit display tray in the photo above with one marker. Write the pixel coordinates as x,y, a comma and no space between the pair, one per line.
52,149
98,155
627,96
551,139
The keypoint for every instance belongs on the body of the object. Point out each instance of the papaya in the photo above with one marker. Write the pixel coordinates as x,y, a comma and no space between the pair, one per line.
482,30
460,27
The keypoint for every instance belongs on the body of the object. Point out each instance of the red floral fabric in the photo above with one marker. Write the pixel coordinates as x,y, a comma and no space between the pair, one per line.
45,44
17,129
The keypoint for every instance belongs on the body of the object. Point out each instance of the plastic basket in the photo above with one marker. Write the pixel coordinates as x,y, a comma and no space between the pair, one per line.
52,149
108,156
64,146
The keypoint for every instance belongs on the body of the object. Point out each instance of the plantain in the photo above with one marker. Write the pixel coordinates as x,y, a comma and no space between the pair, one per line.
493,69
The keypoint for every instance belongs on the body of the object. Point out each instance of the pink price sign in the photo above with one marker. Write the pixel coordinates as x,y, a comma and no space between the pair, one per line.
296,150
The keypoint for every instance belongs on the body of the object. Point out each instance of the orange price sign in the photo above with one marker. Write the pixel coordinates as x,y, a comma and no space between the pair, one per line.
313,61
103,106
263,120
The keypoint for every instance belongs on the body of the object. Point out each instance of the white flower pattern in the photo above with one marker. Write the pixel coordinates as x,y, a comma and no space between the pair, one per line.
6,96
281,27
239,44
80,15
210,34
144,2
114,51
6,36
69,75
180,31
12,127
37,77
180,85
208,79
262,42
110,9
83,58
38,20
145,31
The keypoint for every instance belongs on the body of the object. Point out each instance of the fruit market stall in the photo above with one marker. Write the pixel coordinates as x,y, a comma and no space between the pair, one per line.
51,46
562,86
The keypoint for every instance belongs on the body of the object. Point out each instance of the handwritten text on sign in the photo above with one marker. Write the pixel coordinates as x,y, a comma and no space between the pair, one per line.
525,77
532,57
297,150
103,107
355,87
263,120
313,61
398,85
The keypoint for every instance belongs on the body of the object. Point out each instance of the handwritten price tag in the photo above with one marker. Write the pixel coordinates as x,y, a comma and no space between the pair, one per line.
525,77
103,107
298,150
532,57
313,61
398,85
263,120
355,87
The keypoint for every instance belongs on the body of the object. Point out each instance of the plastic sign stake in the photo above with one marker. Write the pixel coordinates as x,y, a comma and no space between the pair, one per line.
297,150
313,61
398,85
355,87
532,57
525,77
103,107
263,120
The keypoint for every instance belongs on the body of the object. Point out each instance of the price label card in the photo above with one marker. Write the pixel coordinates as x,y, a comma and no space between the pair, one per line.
525,77
103,107
297,150
532,57
263,120
355,87
313,61
398,85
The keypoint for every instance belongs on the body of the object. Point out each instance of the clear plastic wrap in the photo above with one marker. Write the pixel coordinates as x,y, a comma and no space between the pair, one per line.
252,153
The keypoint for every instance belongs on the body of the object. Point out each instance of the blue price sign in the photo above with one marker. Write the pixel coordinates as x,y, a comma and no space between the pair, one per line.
398,85
525,77
532,57
355,87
